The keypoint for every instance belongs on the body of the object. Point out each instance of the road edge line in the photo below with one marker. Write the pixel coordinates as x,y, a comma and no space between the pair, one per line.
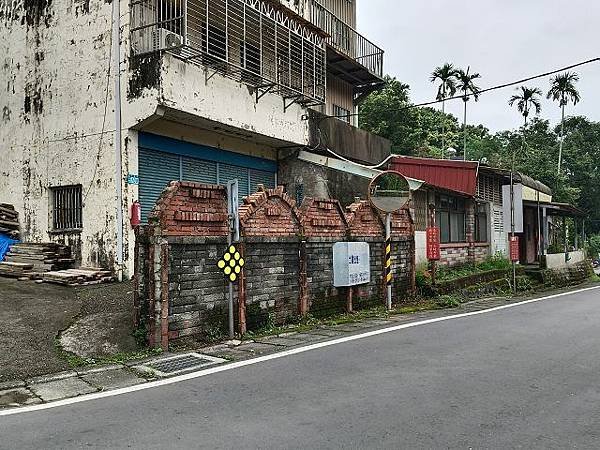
273,356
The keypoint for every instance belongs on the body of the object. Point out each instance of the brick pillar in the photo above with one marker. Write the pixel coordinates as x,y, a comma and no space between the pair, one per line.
136,278
470,230
242,295
303,282
164,295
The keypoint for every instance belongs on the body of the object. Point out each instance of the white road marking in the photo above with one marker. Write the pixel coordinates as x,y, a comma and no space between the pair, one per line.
283,354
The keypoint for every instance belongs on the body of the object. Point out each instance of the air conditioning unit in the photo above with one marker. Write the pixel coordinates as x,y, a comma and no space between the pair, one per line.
163,39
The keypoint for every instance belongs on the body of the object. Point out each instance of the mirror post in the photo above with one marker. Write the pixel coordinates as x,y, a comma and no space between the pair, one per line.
390,275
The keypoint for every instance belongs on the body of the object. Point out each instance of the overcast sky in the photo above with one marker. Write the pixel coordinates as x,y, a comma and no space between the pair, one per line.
503,40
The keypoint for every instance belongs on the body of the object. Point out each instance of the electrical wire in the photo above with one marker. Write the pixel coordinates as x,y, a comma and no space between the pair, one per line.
102,132
479,92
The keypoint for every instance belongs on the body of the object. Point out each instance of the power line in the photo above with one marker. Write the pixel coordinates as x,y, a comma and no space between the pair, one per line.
479,92
102,132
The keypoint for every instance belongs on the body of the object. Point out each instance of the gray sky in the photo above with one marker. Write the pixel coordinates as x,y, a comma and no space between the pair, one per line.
503,40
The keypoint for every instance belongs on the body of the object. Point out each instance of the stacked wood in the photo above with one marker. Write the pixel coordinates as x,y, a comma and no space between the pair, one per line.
43,257
15,270
9,220
78,277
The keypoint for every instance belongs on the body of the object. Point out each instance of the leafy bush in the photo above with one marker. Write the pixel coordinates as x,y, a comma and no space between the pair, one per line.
593,246
495,262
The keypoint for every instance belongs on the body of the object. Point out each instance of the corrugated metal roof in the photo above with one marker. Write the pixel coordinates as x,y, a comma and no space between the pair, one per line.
457,176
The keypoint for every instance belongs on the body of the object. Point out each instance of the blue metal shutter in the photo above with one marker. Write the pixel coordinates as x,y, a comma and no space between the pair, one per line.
156,170
198,170
261,177
228,172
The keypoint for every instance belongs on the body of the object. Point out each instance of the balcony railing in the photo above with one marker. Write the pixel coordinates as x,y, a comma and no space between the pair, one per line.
346,40
247,40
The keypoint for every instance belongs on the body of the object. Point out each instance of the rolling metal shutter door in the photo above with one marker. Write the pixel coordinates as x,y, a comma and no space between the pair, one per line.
198,170
156,170
228,172
261,177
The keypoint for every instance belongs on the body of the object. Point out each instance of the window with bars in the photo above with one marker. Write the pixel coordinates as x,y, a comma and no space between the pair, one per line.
254,41
67,207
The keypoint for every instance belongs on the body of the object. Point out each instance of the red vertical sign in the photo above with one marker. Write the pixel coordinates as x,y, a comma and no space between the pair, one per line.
433,244
514,249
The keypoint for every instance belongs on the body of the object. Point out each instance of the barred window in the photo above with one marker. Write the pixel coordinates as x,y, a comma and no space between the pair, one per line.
67,207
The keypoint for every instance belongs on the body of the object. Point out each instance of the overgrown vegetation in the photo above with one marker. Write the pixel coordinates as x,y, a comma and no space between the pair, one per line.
426,131
443,273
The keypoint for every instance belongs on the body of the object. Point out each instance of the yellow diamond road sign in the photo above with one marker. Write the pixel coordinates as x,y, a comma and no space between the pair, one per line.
231,263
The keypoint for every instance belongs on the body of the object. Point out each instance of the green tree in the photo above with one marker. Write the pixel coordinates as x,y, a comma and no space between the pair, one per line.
466,84
562,90
389,113
526,100
446,75
581,166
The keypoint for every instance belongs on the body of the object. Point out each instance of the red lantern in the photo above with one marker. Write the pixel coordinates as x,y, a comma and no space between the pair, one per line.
136,214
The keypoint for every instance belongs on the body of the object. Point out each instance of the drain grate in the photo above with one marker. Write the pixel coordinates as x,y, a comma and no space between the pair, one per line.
180,363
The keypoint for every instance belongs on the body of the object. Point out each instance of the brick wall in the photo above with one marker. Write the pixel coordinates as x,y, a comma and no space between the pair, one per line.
454,255
288,252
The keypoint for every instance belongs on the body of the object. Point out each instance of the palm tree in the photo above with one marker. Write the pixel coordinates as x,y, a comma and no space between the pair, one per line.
526,100
562,90
469,89
446,75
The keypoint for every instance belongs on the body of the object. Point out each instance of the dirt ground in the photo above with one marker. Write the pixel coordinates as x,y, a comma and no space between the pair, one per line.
95,320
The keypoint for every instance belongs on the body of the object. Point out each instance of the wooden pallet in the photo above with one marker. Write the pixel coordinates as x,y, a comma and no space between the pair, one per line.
9,220
78,277
44,257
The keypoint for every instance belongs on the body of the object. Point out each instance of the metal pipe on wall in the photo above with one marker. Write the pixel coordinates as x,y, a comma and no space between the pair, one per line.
116,38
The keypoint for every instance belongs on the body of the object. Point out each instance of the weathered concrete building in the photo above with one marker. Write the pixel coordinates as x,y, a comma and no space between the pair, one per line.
210,91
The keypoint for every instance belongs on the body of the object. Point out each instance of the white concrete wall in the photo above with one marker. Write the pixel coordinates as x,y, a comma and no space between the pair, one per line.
421,247
53,68
557,261
184,87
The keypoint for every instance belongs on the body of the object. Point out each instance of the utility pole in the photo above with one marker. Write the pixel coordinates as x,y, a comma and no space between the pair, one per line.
512,223
116,51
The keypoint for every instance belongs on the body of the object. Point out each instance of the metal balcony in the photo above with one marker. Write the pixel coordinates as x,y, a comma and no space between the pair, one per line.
350,55
250,41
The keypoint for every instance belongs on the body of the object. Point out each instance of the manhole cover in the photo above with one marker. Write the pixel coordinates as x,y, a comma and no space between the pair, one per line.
180,363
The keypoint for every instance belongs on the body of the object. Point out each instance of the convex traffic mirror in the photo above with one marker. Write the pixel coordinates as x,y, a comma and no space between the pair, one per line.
389,192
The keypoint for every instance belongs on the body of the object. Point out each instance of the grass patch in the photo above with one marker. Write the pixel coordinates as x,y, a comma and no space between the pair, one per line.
76,361
444,274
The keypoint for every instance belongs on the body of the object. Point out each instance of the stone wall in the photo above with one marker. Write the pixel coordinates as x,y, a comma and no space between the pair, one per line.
288,253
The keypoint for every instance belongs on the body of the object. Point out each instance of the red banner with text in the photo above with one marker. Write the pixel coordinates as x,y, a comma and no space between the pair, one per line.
514,249
433,244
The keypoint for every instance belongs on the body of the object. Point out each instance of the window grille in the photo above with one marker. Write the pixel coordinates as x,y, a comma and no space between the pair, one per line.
247,40
67,207
488,189
346,40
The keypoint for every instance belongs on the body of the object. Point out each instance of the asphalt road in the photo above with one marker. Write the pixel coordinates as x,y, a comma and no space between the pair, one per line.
523,377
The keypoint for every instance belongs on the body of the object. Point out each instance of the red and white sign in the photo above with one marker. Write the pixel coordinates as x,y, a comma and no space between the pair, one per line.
514,249
433,244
